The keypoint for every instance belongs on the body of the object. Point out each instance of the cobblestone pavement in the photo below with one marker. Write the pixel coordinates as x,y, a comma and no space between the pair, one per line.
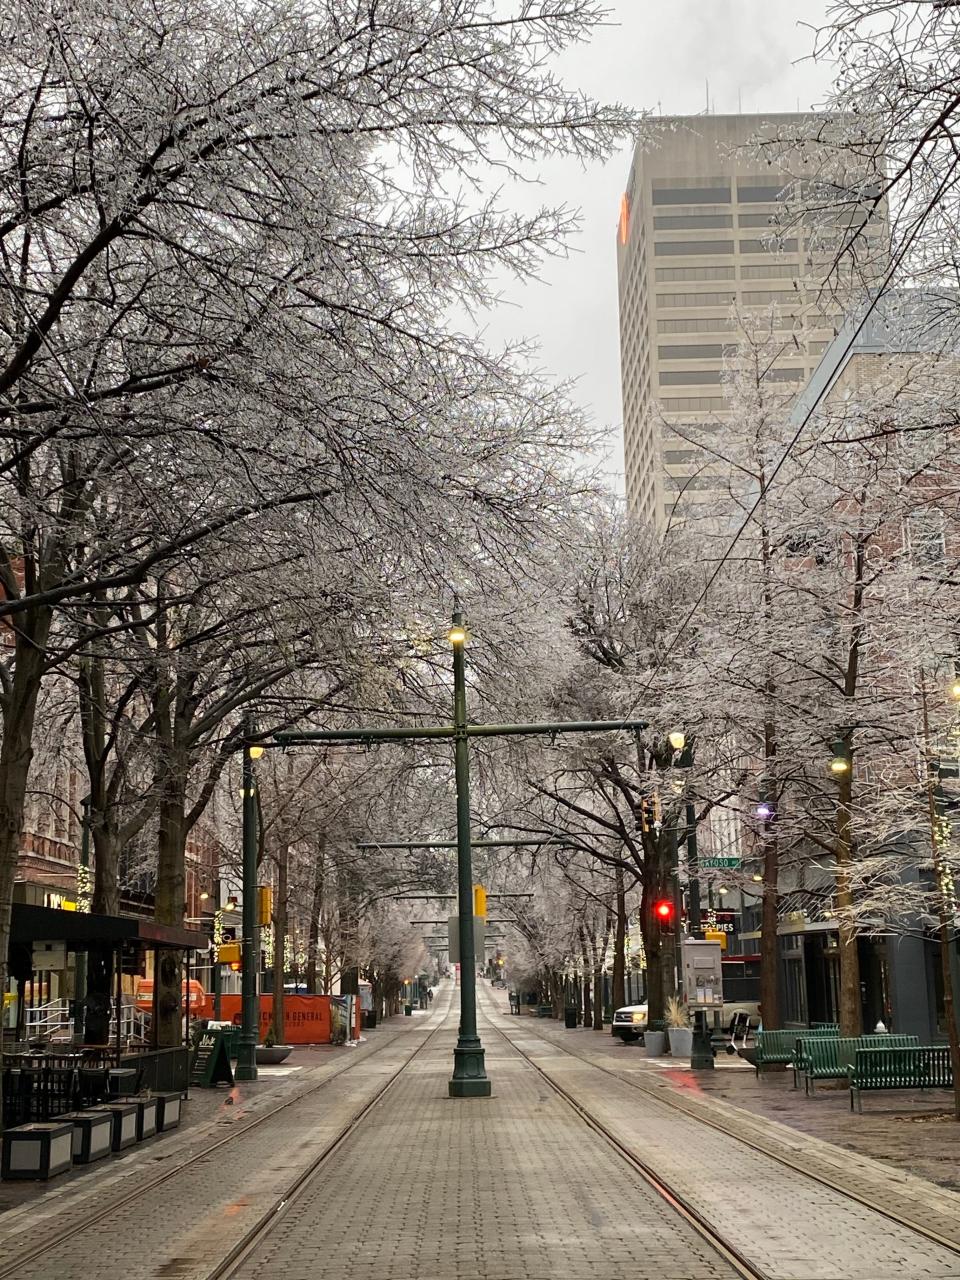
181,1228
881,1155
514,1187
788,1225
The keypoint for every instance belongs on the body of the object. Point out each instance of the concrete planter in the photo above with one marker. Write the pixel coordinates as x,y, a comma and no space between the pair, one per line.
681,1042
273,1055
654,1043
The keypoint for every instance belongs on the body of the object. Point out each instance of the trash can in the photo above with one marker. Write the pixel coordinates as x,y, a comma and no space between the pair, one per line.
408,1010
369,1019
570,1017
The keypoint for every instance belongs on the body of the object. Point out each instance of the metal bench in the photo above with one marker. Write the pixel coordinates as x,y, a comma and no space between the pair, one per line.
830,1058
778,1047
924,1066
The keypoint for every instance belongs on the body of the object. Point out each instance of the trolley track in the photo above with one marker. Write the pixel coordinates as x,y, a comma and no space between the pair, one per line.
256,1234
11,1268
693,1216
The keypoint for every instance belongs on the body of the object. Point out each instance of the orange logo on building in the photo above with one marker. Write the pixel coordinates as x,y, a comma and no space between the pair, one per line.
624,219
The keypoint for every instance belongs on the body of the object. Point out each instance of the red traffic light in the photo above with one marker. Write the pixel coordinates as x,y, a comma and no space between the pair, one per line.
663,910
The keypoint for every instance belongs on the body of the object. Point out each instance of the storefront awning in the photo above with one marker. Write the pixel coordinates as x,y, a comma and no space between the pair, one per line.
80,930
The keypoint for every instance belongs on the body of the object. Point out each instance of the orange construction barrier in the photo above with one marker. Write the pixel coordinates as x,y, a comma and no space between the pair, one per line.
306,1019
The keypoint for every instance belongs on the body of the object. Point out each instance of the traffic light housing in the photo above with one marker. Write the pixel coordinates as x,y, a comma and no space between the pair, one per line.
229,953
663,912
264,905
479,900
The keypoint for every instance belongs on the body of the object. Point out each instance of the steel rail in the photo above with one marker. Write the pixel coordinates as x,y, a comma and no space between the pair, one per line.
11,1266
261,1229
672,1102
707,1232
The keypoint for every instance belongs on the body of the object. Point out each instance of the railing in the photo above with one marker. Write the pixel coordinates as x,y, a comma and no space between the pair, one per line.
160,1070
50,1021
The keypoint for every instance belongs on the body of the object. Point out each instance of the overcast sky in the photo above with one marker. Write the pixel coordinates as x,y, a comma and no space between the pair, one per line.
659,56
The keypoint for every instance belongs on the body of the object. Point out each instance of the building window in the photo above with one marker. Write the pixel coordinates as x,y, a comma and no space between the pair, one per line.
676,457
763,297
695,351
696,324
784,375
756,220
706,194
693,404
696,299
768,246
702,272
771,271
691,377
760,191
692,221
926,532
668,248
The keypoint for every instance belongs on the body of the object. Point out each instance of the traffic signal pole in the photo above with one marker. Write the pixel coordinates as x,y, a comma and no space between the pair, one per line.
469,1078
247,1047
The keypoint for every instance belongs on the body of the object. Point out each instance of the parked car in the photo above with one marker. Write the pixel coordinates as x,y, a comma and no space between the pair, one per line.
630,1022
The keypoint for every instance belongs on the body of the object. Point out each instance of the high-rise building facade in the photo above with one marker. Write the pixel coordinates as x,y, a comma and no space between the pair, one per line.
694,248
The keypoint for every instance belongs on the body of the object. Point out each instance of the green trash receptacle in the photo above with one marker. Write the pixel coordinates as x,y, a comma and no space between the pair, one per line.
570,1017
408,1010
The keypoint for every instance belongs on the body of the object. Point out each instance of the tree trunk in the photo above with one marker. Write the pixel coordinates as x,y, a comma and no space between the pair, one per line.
619,994
769,941
587,1003
100,993
851,1016
169,901
105,899
16,752
598,997
313,936
279,942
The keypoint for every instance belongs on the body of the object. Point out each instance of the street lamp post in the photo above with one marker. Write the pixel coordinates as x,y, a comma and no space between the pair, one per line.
249,1026
469,1078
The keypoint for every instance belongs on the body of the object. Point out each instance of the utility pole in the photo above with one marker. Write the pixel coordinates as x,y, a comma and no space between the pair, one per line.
469,1078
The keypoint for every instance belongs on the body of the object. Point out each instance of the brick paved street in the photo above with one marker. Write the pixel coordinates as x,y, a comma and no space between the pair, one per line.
184,1226
515,1187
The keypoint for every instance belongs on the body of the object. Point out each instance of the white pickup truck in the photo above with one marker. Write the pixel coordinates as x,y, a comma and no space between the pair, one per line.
630,1021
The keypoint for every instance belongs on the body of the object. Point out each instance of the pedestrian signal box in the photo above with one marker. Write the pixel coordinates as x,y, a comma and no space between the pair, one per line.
228,953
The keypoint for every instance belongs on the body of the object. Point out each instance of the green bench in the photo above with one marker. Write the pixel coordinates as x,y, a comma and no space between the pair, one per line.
778,1047
544,1010
925,1066
831,1057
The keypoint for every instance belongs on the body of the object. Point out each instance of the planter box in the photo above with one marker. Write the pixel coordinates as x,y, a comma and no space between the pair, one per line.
39,1150
654,1043
92,1134
168,1110
272,1056
146,1116
681,1042
124,1124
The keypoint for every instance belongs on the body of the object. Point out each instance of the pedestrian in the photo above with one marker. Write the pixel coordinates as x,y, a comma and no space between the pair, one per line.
430,995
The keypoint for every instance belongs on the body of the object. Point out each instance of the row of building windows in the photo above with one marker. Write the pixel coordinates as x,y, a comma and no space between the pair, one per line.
692,404
696,351
701,377
703,272
716,248
718,191
697,324
696,299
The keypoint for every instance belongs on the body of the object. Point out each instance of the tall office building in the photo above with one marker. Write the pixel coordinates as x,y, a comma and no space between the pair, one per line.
693,246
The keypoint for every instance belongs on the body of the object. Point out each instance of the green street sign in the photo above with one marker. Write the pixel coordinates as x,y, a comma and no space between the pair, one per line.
720,864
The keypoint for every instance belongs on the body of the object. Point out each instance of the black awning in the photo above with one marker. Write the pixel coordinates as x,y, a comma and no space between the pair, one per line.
80,930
